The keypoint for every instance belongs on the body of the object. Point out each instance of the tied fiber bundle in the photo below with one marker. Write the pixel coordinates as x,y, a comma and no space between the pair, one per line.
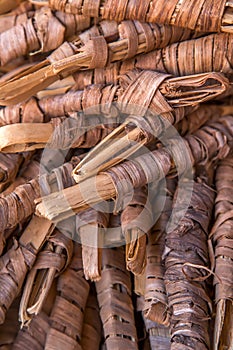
222,238
115,303
90,50
204,15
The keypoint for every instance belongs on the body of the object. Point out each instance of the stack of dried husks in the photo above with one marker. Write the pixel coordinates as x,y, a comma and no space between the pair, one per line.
116,174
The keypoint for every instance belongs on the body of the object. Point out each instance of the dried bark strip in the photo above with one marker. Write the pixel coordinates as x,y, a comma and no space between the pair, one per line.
65,331
199,15
136,222
91,225
158,335
43,32
222,238
155,306
34,335
114,298
212,140
91,332
187,292
96,53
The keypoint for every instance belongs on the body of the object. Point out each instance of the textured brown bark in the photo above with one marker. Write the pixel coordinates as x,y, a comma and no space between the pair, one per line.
114,298
211,141
222,238
65,331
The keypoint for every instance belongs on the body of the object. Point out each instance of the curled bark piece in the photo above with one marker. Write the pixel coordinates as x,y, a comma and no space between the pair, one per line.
185,254
91,225
60,133
91,332
222,238
65,331
51,261
156,305
43,32
114,298
18,260
167,99
212,141
207,16
34,335
75,56
136,222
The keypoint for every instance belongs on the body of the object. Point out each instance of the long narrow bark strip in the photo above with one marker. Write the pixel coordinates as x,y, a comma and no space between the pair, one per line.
114,298
222,238
43,32
212,140
72,293
34,335
96,53
91,225
136,222
186,258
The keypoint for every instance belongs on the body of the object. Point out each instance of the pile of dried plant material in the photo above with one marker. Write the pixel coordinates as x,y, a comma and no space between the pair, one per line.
116,174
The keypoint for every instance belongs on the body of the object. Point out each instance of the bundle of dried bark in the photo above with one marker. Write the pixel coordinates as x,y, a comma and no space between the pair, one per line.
114,298
66,330
199,15
213,140
222,238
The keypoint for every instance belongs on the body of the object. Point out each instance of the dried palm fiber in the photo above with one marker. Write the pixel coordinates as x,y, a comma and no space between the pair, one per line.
115,303
213,139
91,332
8,5
155,305
51,261
136,222
10,328
60,133
93,53
19,205
101,99
91,225
222,238
34,335
186,260
43,32
159,336
207,16
65,331
145,92
172,59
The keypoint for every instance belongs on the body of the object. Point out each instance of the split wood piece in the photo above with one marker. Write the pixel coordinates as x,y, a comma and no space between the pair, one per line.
8,5
19,259
213,140
60,133
91,332
222,238
155,306
91,225
114,298
34,335
50,262
136,222
202,15
9,167
10,328
166,100
172,59
159,335
95,53
67,315
16,207
186,260
43,32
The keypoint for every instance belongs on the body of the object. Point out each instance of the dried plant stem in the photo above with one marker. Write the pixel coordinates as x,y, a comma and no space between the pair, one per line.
222,238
